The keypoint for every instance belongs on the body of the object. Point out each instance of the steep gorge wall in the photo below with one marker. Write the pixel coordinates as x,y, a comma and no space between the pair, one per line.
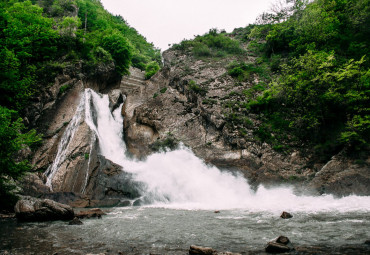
169,108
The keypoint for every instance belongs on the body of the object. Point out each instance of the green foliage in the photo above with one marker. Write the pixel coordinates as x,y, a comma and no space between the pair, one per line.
120,49
151,69
163,90
101,23
27,39
212,44
243,71
11,141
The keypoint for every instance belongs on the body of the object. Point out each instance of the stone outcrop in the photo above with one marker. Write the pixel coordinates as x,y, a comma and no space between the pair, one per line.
343,176
32,209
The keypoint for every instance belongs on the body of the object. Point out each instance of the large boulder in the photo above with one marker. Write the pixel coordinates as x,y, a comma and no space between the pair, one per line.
33,209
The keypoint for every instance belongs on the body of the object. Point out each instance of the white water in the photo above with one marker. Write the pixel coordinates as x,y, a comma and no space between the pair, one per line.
64,143
178,179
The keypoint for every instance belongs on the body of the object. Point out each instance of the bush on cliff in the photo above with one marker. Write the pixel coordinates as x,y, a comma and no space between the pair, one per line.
12,140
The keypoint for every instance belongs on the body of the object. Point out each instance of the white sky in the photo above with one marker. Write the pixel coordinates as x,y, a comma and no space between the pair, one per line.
165,22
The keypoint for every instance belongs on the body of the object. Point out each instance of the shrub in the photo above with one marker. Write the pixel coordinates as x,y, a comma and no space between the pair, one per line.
196,88
151,69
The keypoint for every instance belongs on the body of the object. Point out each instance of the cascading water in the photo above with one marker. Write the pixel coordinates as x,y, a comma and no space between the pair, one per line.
178,179
65,142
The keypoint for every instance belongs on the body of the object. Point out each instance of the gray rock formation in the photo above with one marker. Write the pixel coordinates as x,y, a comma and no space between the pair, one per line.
343,176
32,209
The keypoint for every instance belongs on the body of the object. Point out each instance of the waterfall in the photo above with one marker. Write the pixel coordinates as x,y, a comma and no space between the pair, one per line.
65,142
178,179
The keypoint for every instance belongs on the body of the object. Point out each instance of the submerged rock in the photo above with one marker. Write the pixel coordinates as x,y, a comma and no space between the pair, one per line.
286,215
33,209
75,221
93,213
194,250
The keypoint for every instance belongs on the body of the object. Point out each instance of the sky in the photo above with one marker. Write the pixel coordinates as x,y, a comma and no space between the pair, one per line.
165,22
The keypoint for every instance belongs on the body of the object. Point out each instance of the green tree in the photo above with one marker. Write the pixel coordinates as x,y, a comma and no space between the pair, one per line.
120,49
11,141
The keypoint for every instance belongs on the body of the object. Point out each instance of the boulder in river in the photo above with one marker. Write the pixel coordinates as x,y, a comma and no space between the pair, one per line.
33,209
279,245
286,215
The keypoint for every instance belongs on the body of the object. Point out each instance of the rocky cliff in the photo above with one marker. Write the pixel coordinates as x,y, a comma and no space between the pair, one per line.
188,102
68,166
185,102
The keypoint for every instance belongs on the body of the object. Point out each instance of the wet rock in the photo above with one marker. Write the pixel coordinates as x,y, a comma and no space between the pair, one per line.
75,221
33,209
216,211
367,242
93,213
279,245
274,247
286,215
198,250
115,99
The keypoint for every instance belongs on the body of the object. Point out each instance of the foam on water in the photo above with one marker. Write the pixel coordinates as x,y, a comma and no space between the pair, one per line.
178,179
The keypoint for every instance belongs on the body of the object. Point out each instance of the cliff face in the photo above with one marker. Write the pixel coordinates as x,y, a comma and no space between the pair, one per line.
186,102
